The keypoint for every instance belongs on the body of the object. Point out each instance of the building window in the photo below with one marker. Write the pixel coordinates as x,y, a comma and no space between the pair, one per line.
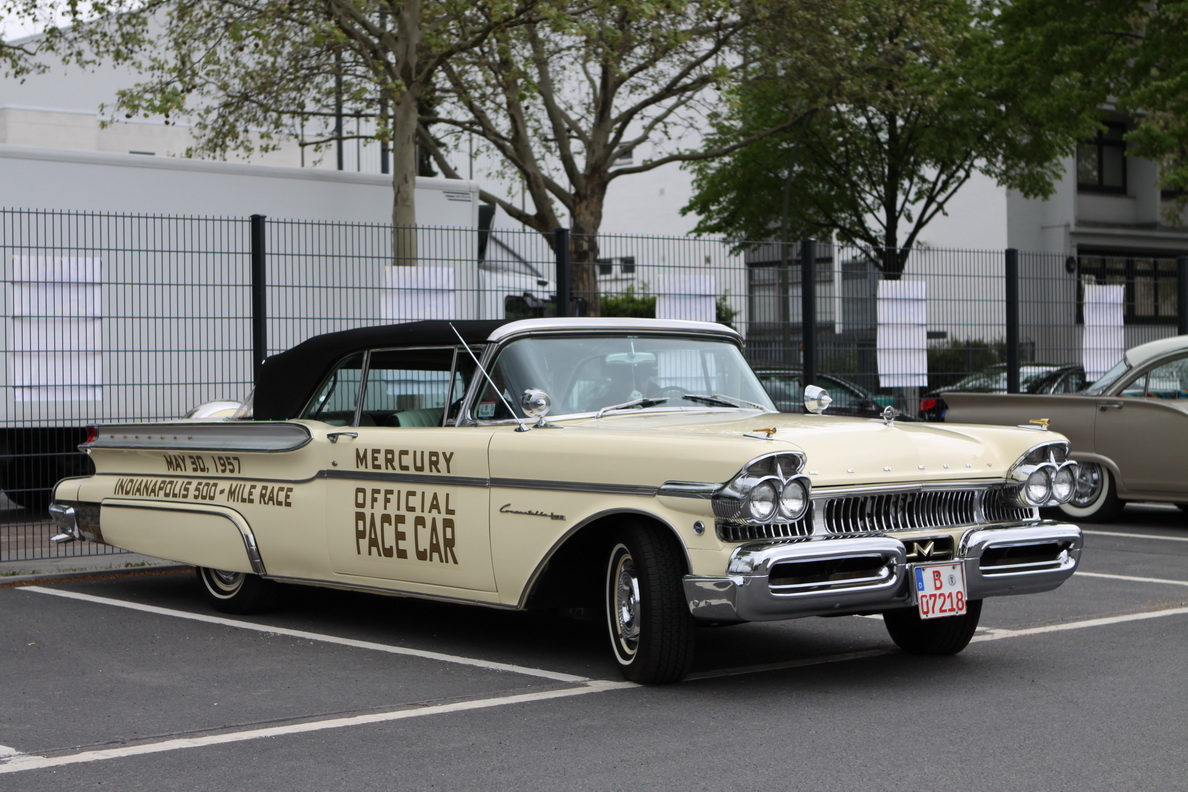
1148,281
618,266
1101,163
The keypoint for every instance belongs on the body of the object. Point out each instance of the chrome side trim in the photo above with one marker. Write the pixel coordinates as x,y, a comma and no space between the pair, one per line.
688,489
421,479
227,436
575,486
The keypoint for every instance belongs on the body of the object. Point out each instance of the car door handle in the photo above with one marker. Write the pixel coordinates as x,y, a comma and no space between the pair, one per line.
333,436
1111,406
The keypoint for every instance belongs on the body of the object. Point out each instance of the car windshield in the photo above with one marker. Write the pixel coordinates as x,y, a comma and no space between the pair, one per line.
1108,379
589,374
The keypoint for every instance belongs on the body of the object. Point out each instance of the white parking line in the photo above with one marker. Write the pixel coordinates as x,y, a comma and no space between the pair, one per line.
309,636
1137,536
1131,579
996,634
23,762
13,761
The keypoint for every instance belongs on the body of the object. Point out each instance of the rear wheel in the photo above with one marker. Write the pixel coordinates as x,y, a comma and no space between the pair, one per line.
1094,497
945,636
652,633
236,592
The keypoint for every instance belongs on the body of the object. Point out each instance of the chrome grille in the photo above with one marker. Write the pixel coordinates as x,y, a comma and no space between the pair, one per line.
901,511
732,531
999,510
884,512
912,510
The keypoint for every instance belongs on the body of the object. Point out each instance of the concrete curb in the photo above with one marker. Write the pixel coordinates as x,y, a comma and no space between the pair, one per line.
52,570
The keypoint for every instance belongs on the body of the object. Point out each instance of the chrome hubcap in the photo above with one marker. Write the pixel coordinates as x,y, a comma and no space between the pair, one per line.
225,582
625,603
1088,484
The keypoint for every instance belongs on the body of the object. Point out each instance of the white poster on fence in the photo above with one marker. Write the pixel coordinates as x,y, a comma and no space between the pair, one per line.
902,334
1103,343
56,329
413,293
687,297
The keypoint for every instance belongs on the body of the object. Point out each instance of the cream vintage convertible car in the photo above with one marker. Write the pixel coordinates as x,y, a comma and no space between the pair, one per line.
636,466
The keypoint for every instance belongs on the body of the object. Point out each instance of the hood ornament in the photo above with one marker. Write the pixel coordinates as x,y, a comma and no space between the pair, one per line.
890,414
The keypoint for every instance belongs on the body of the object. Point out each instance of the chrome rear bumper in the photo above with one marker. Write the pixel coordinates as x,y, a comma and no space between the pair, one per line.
866,574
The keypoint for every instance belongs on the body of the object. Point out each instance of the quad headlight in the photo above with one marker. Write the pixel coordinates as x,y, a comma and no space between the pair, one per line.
769,489
1043,477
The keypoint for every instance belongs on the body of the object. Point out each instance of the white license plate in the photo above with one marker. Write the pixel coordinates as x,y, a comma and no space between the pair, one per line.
940,590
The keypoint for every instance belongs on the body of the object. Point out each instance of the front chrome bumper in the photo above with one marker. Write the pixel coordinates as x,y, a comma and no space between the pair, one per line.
866,574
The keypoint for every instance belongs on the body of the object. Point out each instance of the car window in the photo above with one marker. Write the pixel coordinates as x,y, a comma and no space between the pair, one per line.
398,388
1105,381
1168,381
843,396
584,374
783,387
336,400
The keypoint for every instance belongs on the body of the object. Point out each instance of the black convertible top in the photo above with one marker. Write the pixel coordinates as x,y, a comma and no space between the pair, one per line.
287,380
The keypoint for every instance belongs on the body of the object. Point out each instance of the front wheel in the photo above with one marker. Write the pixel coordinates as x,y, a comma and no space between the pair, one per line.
944,636
236,592
651,630
1095,497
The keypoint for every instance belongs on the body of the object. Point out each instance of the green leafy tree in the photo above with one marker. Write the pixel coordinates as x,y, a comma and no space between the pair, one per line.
251,75
934,94
563,100
27,32
1128,55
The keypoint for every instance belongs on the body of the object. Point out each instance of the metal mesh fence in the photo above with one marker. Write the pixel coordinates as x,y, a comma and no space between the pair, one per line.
127,318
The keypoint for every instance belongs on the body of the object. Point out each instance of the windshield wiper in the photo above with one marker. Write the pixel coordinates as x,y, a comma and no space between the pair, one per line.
646,401
722,401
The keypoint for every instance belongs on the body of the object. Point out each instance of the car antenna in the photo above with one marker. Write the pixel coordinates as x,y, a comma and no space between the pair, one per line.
523,424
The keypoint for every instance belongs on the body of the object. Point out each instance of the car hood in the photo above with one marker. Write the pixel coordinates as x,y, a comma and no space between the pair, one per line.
839,451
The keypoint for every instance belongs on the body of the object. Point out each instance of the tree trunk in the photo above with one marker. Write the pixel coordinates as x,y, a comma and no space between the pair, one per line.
587,220
404,138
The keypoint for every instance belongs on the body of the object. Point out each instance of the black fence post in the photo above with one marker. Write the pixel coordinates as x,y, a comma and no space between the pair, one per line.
259,297
1012,319
808,309
561,249
1182,293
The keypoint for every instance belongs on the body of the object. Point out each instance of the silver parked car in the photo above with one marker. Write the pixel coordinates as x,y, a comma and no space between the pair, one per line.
1128,430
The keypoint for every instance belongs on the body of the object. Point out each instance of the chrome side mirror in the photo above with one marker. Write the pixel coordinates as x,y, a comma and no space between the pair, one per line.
536,404
816,400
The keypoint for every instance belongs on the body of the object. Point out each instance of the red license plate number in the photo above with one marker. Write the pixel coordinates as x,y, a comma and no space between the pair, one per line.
940,590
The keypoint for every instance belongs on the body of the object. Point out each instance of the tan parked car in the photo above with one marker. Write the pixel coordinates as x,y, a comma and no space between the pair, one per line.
634,468
1129,430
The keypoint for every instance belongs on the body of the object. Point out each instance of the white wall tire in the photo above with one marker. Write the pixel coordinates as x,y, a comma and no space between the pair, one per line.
651,631
236,592
1094,497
